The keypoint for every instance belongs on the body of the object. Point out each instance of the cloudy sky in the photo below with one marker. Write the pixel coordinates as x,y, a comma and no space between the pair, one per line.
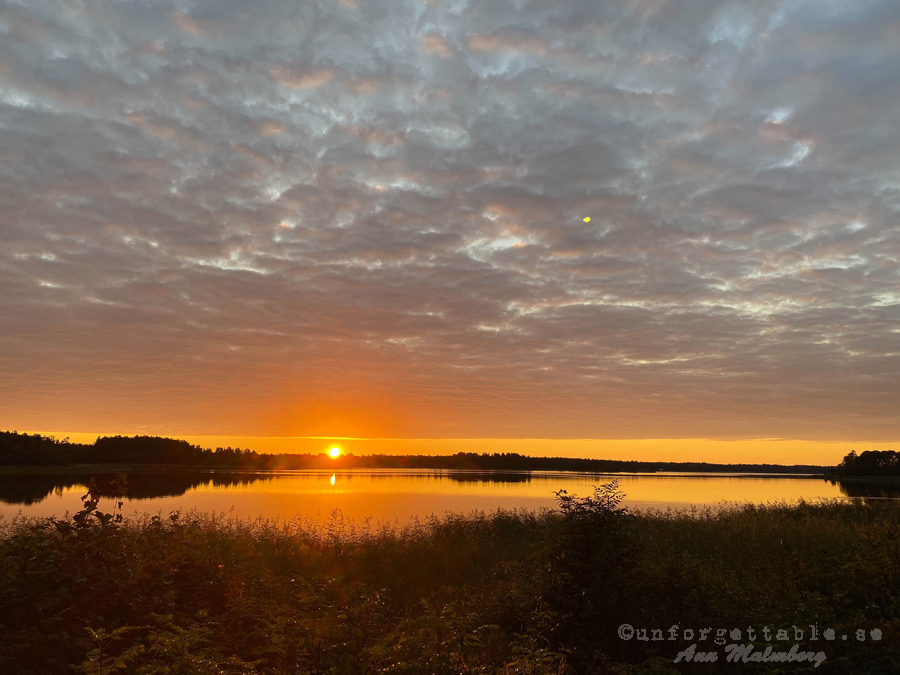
368,218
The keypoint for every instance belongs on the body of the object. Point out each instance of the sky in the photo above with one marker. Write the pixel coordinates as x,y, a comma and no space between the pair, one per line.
643,219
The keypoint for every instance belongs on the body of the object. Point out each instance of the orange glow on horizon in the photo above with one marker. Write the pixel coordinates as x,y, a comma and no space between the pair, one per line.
749,451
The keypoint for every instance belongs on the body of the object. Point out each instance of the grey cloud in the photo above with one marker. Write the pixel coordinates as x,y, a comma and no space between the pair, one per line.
206,205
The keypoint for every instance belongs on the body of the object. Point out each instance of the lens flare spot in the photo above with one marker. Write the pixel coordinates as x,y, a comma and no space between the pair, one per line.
587,219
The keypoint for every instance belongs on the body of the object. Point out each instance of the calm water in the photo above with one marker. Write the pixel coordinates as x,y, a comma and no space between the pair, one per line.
398,495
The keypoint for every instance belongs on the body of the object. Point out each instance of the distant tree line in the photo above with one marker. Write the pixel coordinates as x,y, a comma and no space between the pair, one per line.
35,450
870,463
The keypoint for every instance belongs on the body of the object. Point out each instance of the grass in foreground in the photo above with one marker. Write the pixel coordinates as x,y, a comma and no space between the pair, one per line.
505,592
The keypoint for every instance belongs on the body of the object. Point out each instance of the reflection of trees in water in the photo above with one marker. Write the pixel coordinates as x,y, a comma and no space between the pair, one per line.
487,477
455,476
27,490
856,488
31,489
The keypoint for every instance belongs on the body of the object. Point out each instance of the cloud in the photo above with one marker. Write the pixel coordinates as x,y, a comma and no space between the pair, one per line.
257,219
528,44
294,79
435,44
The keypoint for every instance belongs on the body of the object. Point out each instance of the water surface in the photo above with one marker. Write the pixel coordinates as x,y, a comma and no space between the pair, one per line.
397,495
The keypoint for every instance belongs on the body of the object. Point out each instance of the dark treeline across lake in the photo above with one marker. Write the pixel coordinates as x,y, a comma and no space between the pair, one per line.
36,450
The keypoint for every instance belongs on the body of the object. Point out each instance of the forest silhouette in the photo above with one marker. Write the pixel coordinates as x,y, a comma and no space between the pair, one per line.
36,450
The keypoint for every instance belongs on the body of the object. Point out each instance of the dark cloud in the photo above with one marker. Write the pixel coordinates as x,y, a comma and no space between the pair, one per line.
218,216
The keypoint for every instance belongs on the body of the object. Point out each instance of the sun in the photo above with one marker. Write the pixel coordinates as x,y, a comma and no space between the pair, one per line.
334,452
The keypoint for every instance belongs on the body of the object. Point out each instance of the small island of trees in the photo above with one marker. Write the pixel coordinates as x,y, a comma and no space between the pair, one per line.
871,463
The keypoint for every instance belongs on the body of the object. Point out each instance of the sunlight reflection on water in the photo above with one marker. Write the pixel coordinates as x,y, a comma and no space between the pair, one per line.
397,495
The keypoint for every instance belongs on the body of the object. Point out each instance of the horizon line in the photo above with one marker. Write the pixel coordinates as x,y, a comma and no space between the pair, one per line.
466,438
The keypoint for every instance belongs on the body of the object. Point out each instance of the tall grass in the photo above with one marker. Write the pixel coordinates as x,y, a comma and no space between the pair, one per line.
499,592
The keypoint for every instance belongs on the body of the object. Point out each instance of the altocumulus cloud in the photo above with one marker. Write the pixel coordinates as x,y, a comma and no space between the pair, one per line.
367,217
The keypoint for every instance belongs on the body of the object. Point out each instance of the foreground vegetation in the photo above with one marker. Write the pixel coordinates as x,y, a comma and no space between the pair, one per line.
506,592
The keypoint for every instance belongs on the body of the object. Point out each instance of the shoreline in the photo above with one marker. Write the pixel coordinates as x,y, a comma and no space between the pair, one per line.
87,469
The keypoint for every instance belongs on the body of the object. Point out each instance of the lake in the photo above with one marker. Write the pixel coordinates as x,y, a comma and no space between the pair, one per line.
396,495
